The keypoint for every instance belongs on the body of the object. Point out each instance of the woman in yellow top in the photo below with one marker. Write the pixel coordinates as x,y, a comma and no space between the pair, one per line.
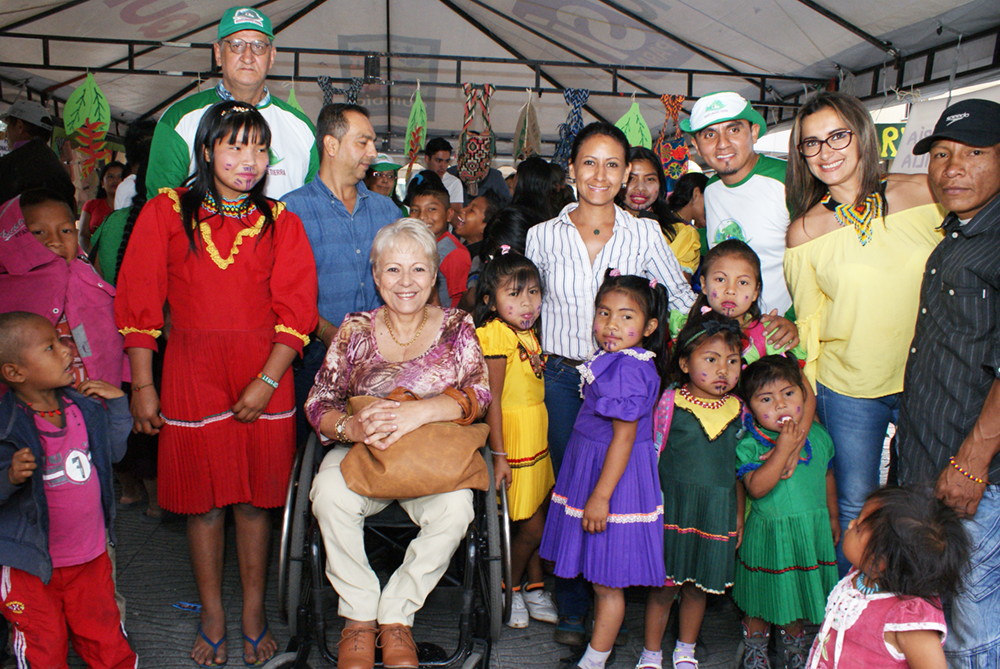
856,250
645,195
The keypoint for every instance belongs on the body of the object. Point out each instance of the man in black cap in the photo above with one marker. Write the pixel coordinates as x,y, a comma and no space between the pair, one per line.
949,420
31,163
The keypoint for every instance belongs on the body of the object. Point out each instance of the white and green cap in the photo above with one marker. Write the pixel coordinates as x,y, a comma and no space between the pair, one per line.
236,19
719,108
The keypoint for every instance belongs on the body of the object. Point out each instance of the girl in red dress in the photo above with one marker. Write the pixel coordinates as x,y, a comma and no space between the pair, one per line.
238,273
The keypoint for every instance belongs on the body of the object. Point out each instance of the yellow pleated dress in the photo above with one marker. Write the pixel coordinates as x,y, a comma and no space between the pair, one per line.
525,421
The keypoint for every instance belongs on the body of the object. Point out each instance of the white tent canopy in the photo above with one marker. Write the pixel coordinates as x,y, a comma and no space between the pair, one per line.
146,53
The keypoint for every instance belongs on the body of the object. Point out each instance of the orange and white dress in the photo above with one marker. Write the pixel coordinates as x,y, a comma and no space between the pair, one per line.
231,299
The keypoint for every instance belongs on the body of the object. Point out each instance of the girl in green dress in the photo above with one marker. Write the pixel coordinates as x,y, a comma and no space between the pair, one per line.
786,565
695,430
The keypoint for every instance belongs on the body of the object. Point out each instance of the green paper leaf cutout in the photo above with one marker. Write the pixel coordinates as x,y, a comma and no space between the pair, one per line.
416,128
635,128
293,101
86,105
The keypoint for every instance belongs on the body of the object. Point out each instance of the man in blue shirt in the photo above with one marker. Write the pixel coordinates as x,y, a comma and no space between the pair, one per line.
341,217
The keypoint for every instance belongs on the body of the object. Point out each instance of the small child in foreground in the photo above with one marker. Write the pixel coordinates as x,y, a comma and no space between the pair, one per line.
57,500
908,549
787,563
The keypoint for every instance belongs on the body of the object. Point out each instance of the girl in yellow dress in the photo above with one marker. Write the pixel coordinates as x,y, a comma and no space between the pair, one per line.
508,303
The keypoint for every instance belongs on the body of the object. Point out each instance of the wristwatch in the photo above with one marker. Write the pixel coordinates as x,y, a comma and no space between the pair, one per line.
340,429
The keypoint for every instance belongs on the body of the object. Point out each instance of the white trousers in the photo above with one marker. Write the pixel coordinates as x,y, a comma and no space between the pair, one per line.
443,521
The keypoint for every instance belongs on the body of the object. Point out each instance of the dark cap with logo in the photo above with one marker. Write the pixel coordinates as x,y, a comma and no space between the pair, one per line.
972,122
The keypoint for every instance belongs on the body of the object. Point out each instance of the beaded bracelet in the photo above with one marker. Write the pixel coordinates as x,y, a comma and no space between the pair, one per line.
319,335
268,380
138,388
503,453
966,474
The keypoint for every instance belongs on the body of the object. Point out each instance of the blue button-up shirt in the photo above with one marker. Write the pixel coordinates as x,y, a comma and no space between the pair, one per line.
341,243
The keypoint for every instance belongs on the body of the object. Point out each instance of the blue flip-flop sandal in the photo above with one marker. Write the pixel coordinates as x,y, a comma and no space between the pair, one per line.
215,647
254,643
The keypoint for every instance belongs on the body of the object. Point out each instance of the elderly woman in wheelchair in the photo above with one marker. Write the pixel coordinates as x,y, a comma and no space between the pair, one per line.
425,349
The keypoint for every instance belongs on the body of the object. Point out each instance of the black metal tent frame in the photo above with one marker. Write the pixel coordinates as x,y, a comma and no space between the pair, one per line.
896,65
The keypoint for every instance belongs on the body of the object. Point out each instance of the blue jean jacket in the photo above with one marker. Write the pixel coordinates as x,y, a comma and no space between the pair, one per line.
24,512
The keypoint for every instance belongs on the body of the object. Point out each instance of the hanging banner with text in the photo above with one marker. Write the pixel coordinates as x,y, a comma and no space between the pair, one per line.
888,138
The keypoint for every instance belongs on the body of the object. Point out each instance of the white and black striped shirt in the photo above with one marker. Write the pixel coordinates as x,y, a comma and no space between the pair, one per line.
571,282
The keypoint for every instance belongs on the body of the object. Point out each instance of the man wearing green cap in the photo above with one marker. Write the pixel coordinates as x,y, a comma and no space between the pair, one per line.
745,200
245,54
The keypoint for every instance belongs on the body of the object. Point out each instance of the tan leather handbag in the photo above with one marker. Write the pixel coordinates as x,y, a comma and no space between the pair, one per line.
433,459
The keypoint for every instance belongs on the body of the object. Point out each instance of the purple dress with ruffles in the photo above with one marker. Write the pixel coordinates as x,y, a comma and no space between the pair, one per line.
624,386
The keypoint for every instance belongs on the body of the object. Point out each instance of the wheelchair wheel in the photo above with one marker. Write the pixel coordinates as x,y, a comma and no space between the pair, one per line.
491,574
295,524
505,535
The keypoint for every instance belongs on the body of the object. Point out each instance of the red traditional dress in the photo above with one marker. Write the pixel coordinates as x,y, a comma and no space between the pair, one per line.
230,301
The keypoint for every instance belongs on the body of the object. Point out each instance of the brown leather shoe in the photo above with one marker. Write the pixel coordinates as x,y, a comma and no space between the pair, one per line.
398,649
356,649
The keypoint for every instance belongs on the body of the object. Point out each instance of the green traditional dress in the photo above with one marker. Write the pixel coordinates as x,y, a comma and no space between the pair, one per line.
786,566
699,493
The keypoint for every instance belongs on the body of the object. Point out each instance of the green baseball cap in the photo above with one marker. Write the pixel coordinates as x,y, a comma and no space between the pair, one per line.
719,108
244,18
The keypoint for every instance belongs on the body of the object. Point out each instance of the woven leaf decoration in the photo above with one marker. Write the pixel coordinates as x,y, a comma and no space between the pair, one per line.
635,128
86,116
527,134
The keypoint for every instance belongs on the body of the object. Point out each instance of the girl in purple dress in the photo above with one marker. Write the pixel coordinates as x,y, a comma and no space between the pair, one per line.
606,518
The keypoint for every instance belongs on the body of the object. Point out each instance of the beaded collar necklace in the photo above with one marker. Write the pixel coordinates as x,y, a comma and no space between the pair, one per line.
861,216
751,426
717,404
535,358
869,589
234,208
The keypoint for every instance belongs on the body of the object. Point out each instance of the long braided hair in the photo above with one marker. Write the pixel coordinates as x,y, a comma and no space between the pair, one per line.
138,139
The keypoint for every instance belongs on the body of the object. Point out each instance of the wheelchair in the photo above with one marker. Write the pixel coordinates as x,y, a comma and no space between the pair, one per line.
471,586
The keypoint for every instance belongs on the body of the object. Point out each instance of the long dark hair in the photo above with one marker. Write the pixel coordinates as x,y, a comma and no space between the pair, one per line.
653,302
508,226
684,189
230,121
658,210
138,140
917,546
803,191
730,247
505,269
101,192
698,329
537,188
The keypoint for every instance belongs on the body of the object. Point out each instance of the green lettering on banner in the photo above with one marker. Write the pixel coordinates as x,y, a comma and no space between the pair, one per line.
888,137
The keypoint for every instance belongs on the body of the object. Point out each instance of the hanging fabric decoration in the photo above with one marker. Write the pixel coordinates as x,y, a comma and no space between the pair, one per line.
476,149
416,130
527,134
672,150
326,85
86,117
635,128
293,101
576,98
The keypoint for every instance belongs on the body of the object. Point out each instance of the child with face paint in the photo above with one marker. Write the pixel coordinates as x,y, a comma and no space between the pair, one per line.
731,286
509,301
787,563
695,428
238,273
606,519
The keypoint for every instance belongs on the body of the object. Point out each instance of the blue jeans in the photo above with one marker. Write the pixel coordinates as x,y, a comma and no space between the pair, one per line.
857,427
563,402
305,378
973,629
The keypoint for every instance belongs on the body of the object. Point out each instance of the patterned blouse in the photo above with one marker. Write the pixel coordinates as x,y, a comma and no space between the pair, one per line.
354,366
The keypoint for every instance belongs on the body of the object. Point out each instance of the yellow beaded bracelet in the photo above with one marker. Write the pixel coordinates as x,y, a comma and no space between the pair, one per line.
965,473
